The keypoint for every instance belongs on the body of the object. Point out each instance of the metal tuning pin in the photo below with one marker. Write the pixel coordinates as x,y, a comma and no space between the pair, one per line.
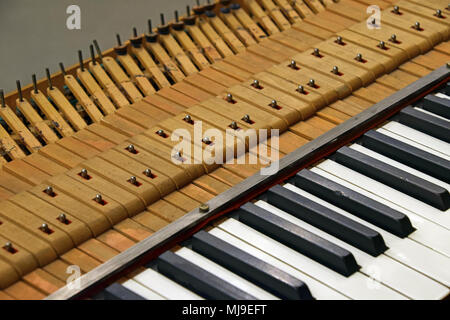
49,191
131,149
179,155
148,173
49,79
382,45
230,97
188,118
63,70
160,133
177,25
359,57
99,199
233,125
190,18
274,103
99,52
151,36
2,98
44,228
84,174
300,89
91,50
396,10
293,64
63,218
19,90
246,118
9,247
256,84
136,41
393,38
335,70
35,88
316,52
120,49
312,83
339,40
163,28
133,181
80,60
206,140
439,13
417,26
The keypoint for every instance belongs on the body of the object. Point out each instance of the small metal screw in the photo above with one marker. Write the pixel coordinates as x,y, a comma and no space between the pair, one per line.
229,97
204,208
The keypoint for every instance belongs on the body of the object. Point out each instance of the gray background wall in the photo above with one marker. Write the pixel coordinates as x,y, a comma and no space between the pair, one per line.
34,36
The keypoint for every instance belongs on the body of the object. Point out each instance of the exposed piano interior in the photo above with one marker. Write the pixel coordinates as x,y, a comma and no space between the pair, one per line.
90,184
368,221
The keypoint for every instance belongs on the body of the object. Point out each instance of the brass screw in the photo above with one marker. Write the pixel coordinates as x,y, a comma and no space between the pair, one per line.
204,208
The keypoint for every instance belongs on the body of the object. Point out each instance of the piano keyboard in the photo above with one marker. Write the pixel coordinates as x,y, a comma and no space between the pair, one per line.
92,211
370,221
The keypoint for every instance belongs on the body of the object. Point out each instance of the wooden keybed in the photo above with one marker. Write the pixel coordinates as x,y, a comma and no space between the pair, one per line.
101,147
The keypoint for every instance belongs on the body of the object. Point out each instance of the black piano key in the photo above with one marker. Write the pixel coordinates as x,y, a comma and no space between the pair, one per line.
438,128
251,268
402,152
436,105
321,217
364,207
197,279
299,239
116,291
403,181
445,89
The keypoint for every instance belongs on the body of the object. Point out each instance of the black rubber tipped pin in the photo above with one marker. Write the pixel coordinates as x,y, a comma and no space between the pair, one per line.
49,79
80,59
19,90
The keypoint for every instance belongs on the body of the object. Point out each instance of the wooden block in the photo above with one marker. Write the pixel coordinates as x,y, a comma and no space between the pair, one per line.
111,208
156,164
17,127
374,93
121,125
136,74
192,91
22,291
79,258
166,211
42,163
36,121
150,66
202,82
58,239
112,181
70,113
161,55
215,39
261,17
164,104
178,54
76,229
211,185
13,184
226,176
58,269
76,146
231,71
97,94
41,250
83,99
218,77
314,32
132,230
136,117
116,240
197,194
345,108
107,133
108,85
276,14
349,9
329,21
203,43
96,220
302,9
4,296
320,123
44,281
227,35
333,115
153,112
415,69
432,60
181,201
25,171
193,51
121,79
233,23
288,11
150,220
20,260
93,140
98,250
251,25
161,182
61,155
177,97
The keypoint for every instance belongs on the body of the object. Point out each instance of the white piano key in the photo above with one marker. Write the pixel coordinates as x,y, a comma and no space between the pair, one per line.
427,233
413,143
165,287
399,165
426,211
318,290
225,274
418,137
144,292
442,95
394,274
431,113
357,286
